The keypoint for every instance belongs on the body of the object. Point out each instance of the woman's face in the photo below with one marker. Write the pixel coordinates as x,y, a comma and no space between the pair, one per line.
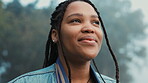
81,34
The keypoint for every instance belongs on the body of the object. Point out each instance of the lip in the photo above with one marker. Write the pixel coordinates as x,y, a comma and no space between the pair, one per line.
90,40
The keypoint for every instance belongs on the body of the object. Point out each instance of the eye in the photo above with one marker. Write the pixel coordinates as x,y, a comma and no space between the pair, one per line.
75,21
96,22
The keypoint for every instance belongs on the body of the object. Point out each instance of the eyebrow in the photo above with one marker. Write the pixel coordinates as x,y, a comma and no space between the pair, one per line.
75,14
94,16
78,14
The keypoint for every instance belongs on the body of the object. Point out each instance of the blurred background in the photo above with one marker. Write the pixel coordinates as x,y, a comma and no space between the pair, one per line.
24,27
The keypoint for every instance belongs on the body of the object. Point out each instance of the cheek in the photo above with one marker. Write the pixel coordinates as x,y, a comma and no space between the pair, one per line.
68,34
100,35
69,38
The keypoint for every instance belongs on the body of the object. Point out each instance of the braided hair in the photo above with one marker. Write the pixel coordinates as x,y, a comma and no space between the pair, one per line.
51,51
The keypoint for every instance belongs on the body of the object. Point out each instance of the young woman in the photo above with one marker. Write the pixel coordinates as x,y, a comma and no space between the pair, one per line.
74,40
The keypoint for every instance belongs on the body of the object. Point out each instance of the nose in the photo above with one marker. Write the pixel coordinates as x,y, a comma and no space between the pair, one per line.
88,28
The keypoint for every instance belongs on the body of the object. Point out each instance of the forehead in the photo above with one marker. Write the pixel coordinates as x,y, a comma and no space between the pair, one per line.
80,7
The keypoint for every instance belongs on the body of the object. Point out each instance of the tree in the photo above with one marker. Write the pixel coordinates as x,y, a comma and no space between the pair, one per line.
23,34
4,63
15,7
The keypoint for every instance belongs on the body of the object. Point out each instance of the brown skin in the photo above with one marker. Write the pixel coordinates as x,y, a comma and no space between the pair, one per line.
81,38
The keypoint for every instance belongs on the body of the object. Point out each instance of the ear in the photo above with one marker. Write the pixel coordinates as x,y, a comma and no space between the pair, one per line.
54,36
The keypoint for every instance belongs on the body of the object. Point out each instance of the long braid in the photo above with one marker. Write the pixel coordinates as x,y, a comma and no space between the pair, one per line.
108,44
50,48
98,70
110,49
46,54
50,45
66,61
68,67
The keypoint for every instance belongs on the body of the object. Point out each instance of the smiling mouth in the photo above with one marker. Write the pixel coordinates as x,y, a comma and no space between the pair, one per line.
87,39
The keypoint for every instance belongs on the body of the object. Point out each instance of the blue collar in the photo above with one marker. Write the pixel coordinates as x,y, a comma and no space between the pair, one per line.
61,74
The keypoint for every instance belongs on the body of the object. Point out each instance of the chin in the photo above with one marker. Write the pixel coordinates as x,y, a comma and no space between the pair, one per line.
91,53
89,56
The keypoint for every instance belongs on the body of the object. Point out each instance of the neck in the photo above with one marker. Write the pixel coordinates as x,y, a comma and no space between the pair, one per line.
80,72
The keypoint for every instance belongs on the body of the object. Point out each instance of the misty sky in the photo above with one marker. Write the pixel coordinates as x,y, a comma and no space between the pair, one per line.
136,4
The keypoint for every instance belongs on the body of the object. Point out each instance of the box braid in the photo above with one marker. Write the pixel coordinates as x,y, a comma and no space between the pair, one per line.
52,47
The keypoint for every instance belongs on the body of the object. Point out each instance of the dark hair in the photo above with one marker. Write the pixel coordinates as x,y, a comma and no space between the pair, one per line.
51,52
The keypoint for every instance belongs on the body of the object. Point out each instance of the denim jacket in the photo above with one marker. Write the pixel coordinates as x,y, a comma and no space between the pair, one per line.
49,75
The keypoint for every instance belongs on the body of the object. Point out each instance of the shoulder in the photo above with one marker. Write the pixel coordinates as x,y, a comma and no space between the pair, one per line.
106,79
42,75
